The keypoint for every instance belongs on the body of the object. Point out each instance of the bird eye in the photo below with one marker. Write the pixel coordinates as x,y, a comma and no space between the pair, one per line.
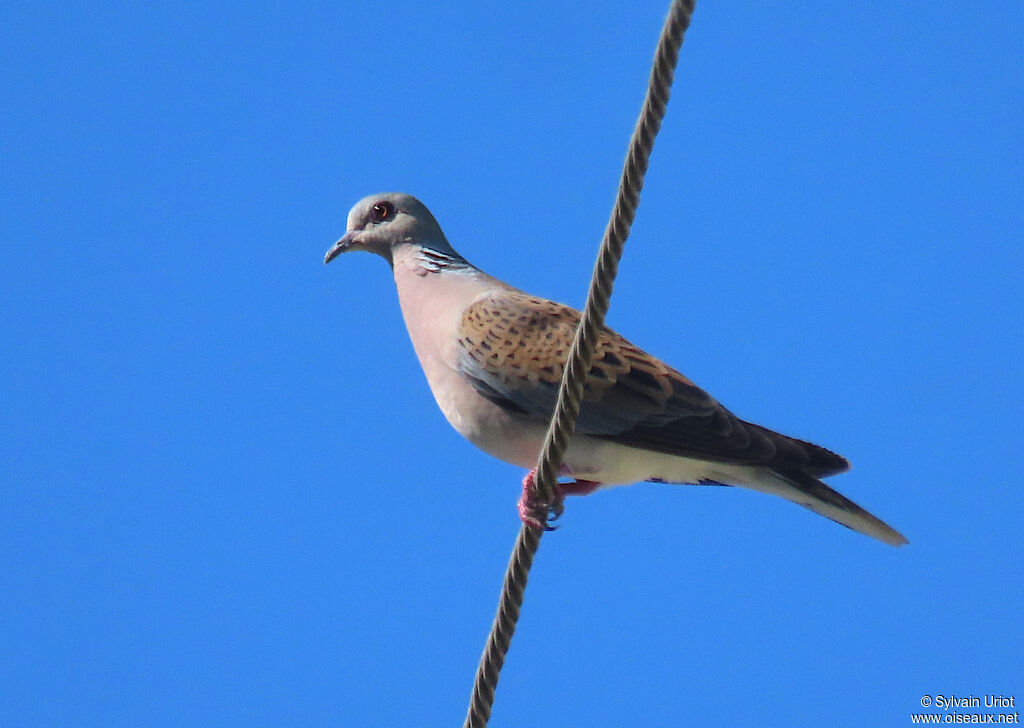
382,211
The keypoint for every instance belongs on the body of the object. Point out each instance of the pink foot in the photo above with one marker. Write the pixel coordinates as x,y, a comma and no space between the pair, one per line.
536,514
579,487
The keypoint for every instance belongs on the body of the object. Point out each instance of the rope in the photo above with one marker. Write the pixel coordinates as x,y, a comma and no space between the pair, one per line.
570,393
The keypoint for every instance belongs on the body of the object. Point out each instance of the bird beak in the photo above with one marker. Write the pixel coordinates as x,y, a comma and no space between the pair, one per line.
342,246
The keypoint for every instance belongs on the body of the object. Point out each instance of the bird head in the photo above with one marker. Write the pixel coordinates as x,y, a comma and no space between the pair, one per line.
383,223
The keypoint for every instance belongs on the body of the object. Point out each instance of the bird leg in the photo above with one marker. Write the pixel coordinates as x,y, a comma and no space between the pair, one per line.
579,487
536,514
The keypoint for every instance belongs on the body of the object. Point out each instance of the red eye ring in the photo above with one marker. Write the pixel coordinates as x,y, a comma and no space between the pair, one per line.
382,211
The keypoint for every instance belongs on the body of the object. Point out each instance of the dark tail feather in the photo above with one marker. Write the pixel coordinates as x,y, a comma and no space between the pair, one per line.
811,493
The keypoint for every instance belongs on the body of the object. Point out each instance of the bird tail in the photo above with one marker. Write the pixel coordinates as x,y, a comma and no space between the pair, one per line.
808,491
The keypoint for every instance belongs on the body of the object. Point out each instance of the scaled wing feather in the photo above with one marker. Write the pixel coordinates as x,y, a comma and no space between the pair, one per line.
512,348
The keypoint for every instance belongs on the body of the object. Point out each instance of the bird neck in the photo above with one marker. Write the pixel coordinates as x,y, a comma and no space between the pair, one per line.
431,260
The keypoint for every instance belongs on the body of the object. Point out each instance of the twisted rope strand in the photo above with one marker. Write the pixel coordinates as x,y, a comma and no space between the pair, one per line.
512,590
581,354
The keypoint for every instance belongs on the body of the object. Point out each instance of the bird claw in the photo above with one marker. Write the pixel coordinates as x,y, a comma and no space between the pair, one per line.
536,514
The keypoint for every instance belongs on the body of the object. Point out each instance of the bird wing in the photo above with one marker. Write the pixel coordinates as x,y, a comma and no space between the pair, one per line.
512,347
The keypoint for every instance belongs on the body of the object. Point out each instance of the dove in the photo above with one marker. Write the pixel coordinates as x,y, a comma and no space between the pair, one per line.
493,356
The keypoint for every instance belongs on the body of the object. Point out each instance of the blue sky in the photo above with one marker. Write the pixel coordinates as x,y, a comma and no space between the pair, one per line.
228,496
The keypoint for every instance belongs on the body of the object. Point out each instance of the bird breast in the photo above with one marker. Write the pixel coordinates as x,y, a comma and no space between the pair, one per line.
432,305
